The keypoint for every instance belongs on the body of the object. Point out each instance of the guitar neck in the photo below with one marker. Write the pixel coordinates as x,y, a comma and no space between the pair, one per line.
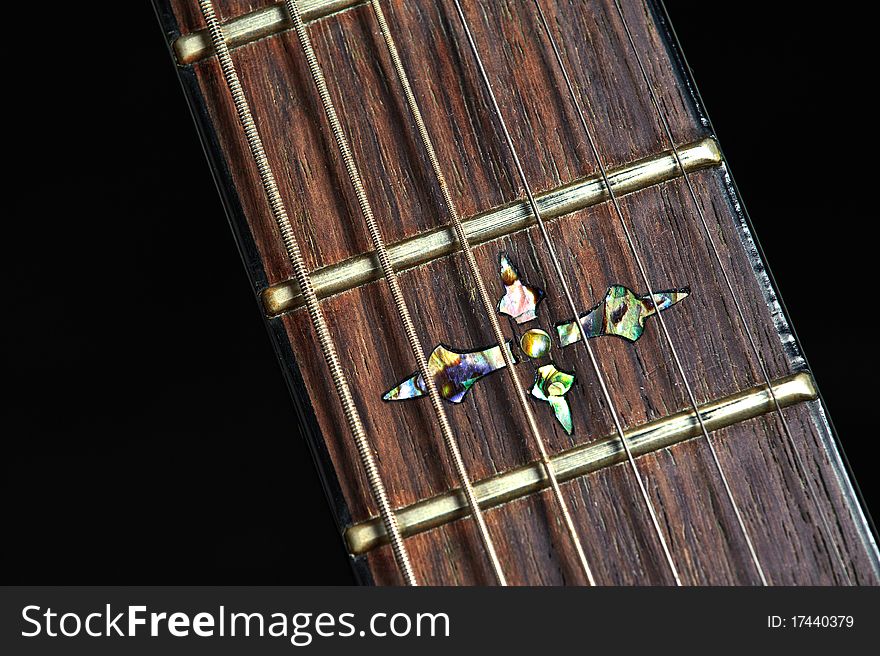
723,424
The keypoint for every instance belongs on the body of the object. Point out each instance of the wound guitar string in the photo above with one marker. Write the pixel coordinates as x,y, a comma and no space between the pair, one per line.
480,284
643,272
561,277
294,254
394,285
810,486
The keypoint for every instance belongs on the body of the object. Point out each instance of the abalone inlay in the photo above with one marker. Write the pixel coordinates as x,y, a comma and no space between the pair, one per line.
621,313
535,343
520,301
551,385
454,373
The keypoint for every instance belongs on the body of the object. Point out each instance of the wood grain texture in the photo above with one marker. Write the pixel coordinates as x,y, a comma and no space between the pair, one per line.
643,382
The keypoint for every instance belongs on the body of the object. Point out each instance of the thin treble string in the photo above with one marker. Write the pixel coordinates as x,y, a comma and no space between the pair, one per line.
568,296
764,372
316,314
394,286
643,271
482,291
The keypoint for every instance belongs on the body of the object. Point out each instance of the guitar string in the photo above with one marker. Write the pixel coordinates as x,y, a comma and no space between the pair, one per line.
316,314
644,275
394,286
809,485
568,296
480,284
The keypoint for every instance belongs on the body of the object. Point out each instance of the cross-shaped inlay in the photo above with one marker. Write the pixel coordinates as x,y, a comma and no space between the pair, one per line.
621,313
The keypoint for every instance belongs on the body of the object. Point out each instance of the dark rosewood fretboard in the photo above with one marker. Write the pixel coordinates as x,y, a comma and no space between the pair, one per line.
683,484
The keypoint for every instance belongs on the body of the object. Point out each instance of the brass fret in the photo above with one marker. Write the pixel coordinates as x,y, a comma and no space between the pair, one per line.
498,222
586,458
255,25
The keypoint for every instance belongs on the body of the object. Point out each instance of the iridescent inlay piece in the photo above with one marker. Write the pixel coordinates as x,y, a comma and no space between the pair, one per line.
535,343
454,373
551,385
622,313
520,301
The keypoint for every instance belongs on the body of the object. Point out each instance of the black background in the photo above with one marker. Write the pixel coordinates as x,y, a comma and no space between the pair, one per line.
150,441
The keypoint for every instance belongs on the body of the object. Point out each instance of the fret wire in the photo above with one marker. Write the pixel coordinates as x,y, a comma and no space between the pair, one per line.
569,298
316,314
644,275
802,471
480,284
396,292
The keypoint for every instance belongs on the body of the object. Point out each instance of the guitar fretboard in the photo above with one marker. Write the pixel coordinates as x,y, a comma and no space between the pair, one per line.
645,416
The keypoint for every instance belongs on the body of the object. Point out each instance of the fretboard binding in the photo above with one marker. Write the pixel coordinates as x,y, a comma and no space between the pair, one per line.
498,222
585,459
253,26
